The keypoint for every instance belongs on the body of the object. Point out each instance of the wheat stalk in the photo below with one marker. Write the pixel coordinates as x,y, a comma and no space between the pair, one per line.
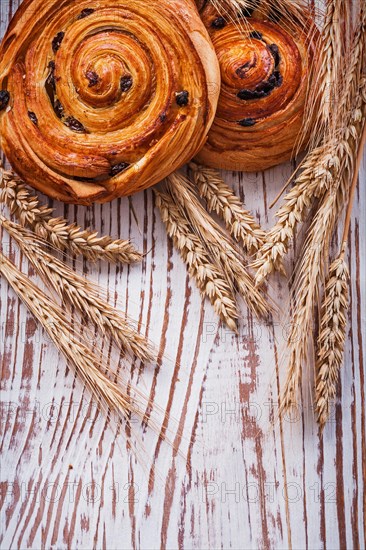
354,77
57,231
305,291
80,293
310,269
315,178
328,107
316,248
239,12
287,8
322,101
332,338
86,363
210,280
220,198
216,242
323,166
232,7
332,335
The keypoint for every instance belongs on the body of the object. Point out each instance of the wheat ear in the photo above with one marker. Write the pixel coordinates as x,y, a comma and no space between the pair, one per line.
57,231
80,293
316,248
321,108
219,246
220,198
331,338
305,288
314,179
210,280
305,292
332,335
322,164
86,363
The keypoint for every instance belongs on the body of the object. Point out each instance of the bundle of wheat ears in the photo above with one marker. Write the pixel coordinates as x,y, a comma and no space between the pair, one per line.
232,259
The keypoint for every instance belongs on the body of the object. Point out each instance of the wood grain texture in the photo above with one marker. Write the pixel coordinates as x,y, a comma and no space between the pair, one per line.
242,479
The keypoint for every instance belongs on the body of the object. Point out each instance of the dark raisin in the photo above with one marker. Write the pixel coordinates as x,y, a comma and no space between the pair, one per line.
126,82
33,117
279,78
58,108
247,94
273,48
75,125
85,13
93,78
56,42
262,90
182,98
163,117
118,168
246,122
51,81
241,71
218,23
4,99
265,87
257,35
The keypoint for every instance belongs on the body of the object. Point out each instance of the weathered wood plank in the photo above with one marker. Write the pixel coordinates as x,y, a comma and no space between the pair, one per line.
245,480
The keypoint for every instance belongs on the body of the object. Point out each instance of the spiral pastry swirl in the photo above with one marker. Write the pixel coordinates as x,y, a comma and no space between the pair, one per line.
266,70
103,98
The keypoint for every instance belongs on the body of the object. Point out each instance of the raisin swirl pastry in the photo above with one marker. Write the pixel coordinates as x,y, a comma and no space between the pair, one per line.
100,99
266,70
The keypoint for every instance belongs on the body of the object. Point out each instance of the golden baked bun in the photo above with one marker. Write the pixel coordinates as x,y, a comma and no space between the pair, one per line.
103,99
265,70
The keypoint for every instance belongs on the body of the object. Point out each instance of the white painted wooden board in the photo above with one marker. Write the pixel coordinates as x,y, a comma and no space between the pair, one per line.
242,479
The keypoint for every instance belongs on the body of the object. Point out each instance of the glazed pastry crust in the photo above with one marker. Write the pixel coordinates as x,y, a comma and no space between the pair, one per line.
97,105
266,71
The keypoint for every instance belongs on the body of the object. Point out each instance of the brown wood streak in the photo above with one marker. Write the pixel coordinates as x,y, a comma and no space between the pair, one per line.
185,488
284,469
251,429
171,478
362,374
354,508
